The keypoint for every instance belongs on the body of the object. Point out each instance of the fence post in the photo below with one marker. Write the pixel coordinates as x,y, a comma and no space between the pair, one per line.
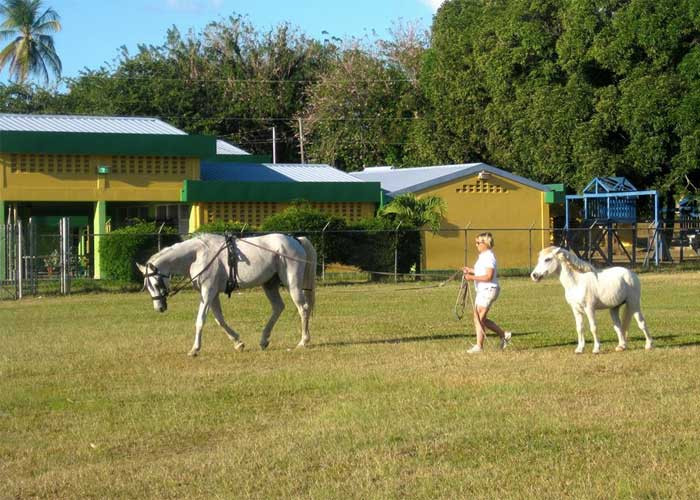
466,245
396,252
529,242
159,239
64,227
19,259
323,251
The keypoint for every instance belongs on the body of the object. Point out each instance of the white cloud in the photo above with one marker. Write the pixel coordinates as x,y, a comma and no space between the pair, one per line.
433,4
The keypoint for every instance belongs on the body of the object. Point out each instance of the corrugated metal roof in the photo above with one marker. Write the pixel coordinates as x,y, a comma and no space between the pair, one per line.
273,172
408,180
86,124
224,148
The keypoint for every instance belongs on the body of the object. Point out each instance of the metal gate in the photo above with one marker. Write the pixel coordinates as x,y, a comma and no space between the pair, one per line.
30,262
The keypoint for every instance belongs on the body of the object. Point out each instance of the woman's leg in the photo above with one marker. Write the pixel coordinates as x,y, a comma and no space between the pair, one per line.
480,313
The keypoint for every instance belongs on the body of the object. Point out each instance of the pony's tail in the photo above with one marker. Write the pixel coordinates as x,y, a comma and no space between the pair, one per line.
309,272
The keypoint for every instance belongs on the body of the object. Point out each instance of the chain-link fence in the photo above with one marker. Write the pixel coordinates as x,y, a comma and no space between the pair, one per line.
36,262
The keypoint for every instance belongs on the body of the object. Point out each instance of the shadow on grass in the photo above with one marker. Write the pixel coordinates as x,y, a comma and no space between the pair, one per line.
399,340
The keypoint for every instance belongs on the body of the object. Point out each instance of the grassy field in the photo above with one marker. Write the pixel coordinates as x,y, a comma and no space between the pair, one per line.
99,400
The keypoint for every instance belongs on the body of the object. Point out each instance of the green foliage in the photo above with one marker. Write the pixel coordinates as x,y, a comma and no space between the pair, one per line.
122,248
418,212
221,227
562,92
302,219
370,244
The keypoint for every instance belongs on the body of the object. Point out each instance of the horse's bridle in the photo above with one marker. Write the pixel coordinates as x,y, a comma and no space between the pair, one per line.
160,286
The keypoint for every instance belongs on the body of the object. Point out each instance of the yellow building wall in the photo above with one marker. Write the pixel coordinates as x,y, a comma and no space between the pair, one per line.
503,207
254,213
39,177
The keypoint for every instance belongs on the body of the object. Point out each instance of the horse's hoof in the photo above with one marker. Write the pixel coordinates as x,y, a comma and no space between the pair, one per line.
579,351
264,346
648,347
621,348
193,353
239,346
301,346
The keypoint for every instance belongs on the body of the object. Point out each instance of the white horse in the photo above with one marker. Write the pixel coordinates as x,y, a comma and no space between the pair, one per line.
588,289
268,261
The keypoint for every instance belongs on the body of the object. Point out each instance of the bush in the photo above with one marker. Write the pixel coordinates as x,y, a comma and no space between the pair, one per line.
221,227
370,245
122,248
303,220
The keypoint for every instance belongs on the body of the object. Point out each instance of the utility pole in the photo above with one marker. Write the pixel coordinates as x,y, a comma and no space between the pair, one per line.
274,146
301,141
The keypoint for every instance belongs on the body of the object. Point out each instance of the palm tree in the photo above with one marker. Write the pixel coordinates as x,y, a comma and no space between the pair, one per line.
427,211
32,51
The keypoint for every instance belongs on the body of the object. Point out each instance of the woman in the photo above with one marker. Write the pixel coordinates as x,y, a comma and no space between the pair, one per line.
484,274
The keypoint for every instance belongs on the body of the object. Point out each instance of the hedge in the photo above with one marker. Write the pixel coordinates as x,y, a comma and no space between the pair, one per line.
122,248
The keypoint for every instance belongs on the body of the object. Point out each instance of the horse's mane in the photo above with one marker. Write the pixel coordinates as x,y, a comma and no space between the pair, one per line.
576,263
174,248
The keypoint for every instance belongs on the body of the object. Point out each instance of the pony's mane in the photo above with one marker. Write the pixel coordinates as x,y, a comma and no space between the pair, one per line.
576,263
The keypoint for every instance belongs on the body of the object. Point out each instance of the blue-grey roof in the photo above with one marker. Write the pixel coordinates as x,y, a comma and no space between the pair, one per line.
90,124
273,172
609,185
397,181
224,148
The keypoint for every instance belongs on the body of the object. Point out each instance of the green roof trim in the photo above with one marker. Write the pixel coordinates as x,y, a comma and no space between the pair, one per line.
210,191
556,195
90,143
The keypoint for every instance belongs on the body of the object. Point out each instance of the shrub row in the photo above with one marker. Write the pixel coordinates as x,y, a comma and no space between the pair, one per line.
368,244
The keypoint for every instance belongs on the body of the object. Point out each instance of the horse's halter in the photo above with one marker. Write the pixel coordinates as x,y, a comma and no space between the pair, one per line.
159,285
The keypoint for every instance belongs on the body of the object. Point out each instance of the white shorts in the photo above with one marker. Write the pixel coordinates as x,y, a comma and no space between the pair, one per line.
487,296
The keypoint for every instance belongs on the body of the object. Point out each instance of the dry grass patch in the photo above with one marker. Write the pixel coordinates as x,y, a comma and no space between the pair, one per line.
98,399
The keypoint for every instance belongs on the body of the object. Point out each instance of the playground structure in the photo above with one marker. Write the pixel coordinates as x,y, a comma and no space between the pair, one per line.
608,220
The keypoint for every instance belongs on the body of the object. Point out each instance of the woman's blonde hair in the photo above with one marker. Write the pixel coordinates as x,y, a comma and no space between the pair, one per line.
486,238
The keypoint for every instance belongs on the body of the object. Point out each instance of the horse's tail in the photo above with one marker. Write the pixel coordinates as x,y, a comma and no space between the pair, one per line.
309,272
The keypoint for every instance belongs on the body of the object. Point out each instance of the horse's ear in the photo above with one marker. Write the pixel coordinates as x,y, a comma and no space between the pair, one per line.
141,268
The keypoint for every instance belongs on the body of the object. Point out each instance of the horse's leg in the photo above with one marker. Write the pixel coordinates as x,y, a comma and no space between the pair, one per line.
199,324
272,290
621,339
578,316
304,309
590,314
219,318
642,324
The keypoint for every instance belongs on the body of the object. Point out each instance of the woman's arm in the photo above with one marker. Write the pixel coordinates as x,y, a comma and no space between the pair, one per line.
469,276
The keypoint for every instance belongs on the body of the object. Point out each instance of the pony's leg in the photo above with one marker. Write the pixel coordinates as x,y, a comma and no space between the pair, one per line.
626,317
219,318
272,290
621,339
199,325
578,316
642,324
304,309
590,314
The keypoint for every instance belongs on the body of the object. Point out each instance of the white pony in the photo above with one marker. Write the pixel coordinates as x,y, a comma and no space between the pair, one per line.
588,289
268,261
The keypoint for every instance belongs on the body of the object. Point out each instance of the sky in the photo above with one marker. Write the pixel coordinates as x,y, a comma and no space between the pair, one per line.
94,30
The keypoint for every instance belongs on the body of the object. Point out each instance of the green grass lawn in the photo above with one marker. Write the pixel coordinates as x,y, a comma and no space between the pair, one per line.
99,400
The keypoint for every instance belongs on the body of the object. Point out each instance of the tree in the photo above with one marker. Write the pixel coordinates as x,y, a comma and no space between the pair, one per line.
417,212
362,109
228,80
32,51
564,91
